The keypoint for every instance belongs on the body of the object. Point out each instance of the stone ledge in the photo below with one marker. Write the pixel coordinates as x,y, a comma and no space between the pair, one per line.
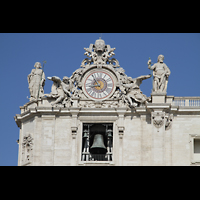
96,163
103,111
158,106
189,109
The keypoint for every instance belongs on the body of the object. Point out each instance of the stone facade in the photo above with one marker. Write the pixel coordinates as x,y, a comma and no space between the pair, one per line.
156,130
137,138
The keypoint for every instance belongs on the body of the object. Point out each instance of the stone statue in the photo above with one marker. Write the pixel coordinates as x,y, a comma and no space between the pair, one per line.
36,80
61,90
160,73
133,92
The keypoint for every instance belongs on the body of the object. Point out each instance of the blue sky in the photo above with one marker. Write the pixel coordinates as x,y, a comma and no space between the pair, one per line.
64,53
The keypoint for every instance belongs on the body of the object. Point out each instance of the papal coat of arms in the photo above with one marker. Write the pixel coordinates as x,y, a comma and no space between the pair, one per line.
158,119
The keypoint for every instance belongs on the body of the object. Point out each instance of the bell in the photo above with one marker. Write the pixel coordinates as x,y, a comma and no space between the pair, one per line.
109,133
98,146
85,133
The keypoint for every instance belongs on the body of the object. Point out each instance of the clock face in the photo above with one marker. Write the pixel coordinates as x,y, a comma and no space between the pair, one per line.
99,85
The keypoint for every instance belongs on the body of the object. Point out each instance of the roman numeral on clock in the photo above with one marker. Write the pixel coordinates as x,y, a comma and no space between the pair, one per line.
110,85
99,96
108,90
89,90
108,80
93,94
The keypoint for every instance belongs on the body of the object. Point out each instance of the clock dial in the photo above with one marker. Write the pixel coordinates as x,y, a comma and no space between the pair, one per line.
99,85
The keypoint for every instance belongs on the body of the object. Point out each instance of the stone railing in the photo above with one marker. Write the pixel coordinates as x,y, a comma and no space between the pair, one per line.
186,101
86,156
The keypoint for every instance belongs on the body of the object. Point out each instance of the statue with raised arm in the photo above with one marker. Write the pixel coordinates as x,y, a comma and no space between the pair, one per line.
36,80
133,92
160,73
61,89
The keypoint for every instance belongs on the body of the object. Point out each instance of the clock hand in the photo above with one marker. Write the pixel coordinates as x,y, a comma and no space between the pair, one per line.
94,85
96,80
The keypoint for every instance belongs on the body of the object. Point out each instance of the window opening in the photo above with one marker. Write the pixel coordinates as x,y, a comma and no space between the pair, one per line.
97,142
196,145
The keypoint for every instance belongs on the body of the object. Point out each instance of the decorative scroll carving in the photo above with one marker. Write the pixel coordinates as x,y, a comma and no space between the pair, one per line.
27,147
168,121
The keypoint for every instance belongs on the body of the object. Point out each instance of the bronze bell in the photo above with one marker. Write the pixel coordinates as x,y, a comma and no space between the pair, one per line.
85,133
109,133
98,146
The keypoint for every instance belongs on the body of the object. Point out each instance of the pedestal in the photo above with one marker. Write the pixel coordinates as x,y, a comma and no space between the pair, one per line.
158,97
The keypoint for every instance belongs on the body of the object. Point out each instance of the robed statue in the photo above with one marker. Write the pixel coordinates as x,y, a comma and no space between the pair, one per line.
36,80
160,73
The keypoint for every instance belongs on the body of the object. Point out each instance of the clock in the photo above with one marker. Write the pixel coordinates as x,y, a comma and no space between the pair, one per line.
99,84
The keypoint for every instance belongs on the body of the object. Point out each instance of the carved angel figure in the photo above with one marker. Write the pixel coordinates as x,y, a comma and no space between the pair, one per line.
133,92
60,89
36,80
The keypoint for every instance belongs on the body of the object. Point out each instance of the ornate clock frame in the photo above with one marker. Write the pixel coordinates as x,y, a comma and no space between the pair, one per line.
107,71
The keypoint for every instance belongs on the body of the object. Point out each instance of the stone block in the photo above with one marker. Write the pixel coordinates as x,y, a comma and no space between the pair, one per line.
158,98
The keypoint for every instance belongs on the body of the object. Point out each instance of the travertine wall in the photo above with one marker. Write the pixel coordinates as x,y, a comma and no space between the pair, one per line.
144,145
137,140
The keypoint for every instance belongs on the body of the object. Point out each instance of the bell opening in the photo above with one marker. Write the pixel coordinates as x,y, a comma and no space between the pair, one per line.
97,142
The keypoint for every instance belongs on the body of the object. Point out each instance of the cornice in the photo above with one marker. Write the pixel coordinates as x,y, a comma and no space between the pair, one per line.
31,112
